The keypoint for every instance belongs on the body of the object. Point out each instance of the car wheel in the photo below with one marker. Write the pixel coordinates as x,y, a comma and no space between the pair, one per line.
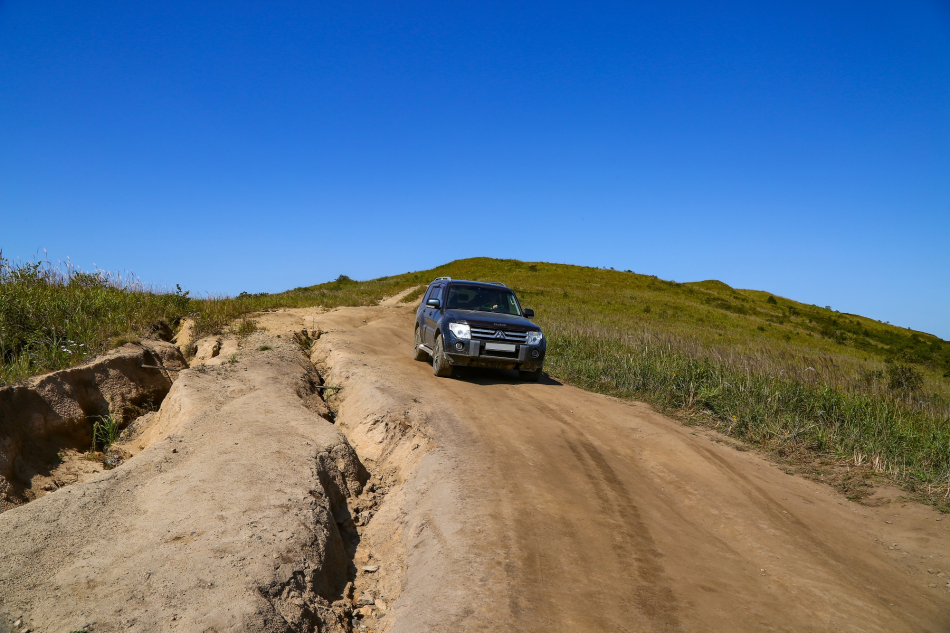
530,376
440,364
417,352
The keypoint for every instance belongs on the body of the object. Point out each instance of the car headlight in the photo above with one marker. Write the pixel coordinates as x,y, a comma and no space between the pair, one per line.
534,338
460,330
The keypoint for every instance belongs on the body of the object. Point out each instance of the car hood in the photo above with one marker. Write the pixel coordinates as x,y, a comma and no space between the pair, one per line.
492,320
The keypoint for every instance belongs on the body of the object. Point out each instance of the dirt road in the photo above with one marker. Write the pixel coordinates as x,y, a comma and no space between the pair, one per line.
411,503
541,507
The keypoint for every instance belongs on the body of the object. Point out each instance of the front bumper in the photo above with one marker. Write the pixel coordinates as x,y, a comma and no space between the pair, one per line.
473,353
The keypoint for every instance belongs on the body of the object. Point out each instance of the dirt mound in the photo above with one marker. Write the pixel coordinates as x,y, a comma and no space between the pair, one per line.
187,337
50,414
234,516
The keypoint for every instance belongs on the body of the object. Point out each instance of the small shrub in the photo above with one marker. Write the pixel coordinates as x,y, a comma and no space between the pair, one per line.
245,327
264,348
904,378
771,300
761,328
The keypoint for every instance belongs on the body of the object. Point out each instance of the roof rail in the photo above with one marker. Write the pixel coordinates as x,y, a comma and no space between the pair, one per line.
497,283
443,279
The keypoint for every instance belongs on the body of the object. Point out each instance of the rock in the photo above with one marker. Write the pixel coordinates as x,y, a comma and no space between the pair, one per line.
366,599
18,623
371,568
208,348
381,606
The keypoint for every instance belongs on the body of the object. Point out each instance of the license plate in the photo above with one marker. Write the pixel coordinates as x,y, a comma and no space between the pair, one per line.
499,347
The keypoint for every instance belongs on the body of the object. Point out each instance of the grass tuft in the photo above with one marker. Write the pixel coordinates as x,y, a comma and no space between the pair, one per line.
105,433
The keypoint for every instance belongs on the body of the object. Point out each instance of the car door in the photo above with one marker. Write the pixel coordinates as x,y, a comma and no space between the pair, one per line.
430,315
421,314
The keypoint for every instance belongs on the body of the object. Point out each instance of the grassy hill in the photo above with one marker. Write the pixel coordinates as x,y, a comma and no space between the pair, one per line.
795,379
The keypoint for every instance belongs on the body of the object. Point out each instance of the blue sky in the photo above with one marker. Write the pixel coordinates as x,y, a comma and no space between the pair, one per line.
801,148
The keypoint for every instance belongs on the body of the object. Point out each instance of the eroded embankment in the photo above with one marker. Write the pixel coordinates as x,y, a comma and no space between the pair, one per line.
46,423
240,511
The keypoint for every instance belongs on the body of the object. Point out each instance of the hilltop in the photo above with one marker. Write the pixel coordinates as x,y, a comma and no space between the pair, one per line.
710,310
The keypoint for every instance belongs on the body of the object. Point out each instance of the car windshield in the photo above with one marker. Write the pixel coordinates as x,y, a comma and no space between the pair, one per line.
482,299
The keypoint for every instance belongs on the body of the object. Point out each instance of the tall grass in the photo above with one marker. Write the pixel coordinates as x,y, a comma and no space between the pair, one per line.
51,317
54,316
790,404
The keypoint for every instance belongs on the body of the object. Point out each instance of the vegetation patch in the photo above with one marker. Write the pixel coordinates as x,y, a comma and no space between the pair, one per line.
55,316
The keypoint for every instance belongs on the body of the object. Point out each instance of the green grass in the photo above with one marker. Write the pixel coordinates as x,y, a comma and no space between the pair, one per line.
105,433
52,317
795,379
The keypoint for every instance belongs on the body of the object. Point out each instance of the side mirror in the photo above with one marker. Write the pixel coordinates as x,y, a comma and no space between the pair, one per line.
433,303
529,313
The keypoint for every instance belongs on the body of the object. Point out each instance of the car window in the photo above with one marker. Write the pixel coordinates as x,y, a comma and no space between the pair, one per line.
434,293
482,299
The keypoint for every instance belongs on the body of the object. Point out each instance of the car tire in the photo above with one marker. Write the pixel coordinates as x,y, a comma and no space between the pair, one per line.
417,352
440,364
530,376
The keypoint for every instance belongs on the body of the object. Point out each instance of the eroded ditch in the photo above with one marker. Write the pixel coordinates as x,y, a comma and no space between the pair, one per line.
46,423
305,557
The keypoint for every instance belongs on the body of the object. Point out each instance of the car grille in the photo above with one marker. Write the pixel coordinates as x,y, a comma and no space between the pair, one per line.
484,334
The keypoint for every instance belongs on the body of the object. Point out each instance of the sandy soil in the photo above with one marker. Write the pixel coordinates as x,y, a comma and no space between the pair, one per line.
407,502
541,507
234,515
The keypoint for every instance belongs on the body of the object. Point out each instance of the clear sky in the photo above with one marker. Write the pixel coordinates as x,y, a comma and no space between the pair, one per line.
797,147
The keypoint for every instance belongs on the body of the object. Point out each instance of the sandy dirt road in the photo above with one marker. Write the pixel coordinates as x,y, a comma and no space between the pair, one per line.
541,507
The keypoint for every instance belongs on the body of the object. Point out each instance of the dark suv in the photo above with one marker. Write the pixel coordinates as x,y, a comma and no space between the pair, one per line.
477,324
